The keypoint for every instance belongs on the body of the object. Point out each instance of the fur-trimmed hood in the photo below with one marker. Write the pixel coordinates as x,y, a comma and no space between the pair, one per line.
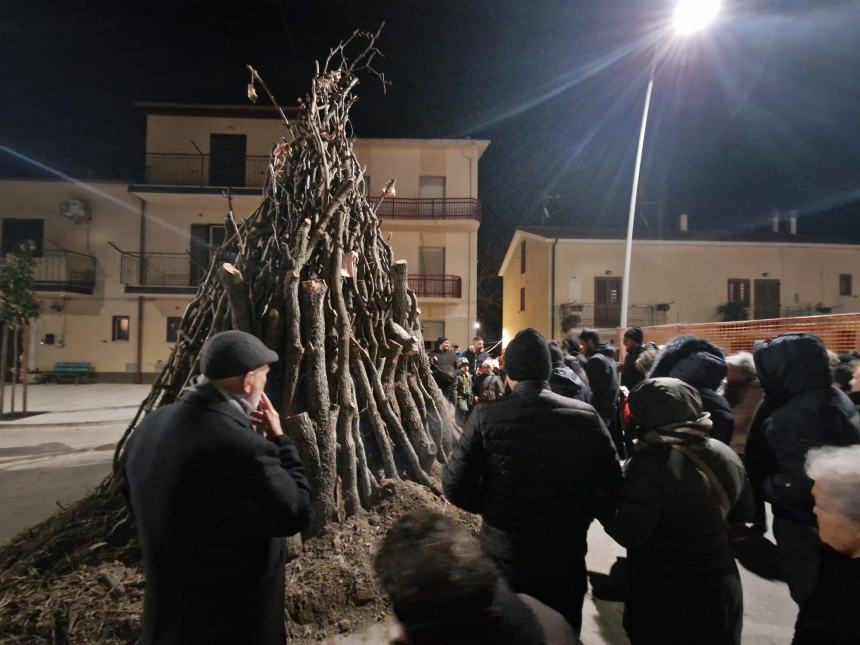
693,360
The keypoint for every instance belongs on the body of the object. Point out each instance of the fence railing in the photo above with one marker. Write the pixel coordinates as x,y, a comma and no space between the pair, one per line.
840,332
575,314
428,208
156,270
63,269
171,169
436,286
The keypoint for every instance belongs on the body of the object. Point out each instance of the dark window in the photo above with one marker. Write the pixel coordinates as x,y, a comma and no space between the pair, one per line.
173,328
120,328
19,231
523,256
522,298
227,159
739,292
205,240
845,284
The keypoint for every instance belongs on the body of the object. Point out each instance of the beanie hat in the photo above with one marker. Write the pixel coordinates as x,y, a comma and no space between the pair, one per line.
527,357
635,334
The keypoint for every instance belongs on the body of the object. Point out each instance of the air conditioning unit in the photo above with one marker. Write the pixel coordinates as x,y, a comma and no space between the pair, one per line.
76,210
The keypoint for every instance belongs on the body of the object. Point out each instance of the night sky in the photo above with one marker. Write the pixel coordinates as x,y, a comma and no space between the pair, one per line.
761,112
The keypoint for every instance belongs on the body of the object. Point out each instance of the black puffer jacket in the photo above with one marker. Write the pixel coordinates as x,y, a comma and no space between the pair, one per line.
801,410
702,365
630,376
530,463
602,371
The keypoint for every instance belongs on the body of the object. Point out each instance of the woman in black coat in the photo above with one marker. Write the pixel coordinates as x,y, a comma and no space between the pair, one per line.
679,488
702,365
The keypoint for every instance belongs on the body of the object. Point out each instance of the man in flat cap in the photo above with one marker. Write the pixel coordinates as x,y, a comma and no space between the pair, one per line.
213,499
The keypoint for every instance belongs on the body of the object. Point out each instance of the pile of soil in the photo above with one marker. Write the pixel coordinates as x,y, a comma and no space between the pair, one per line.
58,585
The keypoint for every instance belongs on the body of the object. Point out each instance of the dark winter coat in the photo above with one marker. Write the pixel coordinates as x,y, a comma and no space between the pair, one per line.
800,410
602,371
630,376
530,463
564,381
476,359
702,365
683,584
489,387
212,501
830,614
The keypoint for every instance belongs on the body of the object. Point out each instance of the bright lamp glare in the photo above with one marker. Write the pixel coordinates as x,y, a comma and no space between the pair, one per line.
694,15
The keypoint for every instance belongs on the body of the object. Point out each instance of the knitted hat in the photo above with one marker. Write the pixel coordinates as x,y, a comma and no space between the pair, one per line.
527,357
635,334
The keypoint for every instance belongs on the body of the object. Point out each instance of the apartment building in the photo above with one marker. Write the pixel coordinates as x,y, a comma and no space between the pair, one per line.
556,279
119,261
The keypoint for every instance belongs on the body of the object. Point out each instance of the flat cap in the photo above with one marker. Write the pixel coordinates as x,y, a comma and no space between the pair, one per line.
233,353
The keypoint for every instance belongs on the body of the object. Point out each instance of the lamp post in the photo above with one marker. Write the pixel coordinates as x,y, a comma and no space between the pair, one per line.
690,16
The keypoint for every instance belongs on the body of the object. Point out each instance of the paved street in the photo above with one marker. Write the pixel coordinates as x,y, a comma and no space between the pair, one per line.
55,458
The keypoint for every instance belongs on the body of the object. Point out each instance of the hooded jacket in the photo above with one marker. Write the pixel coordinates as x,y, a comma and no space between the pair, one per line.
630,376
602,372
701,364
801,410
683,584
211,500
566,382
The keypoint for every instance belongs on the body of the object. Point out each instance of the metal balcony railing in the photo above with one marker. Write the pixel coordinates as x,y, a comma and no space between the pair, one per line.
436,286
196,170
65,271
421,208
159,271
575,315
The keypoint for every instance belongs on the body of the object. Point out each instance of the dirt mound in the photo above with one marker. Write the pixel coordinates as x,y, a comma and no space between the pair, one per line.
59,586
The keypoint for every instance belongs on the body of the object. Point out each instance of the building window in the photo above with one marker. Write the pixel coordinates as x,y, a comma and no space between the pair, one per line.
432,329
120,328
431,260
16,232
739,292
173,328
522,298
523,256
845,284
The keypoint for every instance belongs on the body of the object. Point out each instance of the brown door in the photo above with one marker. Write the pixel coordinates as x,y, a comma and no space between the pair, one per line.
607,302
766,299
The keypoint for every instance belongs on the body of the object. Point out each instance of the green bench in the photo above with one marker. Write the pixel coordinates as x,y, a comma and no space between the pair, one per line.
70,370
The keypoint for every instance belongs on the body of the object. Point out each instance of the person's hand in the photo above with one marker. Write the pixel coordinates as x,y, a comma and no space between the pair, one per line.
266,418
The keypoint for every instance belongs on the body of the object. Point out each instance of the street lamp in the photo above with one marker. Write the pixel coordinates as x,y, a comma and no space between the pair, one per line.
690,16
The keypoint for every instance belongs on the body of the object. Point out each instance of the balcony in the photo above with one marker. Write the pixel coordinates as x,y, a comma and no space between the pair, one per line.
65,271
423,209
169,169
436,286
606,316
159,273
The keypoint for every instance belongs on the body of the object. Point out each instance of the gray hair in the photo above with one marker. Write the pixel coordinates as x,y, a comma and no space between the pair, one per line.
743,361
840,469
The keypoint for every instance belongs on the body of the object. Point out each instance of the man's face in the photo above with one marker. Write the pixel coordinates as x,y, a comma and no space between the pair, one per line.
834,528
255,384
630,344
854,383
445,346
478,345
588,346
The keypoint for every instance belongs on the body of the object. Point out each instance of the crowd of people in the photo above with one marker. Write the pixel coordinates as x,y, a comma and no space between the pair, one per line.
674,450
705,440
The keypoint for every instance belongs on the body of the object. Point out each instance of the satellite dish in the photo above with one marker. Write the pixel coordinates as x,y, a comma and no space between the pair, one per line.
76,210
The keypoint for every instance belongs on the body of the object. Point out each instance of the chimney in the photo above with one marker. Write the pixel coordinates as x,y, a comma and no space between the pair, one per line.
683,223
792,221
774,218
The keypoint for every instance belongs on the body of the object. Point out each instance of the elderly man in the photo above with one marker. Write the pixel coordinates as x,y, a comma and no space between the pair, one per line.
830,615
530,464
213,499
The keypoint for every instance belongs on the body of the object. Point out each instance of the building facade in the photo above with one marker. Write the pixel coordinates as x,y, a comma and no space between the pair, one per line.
556,279
118,262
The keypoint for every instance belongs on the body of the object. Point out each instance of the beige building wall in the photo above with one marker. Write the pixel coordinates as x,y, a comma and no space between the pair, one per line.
692,276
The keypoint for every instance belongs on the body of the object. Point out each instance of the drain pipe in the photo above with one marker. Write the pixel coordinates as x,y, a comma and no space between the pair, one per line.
552,293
